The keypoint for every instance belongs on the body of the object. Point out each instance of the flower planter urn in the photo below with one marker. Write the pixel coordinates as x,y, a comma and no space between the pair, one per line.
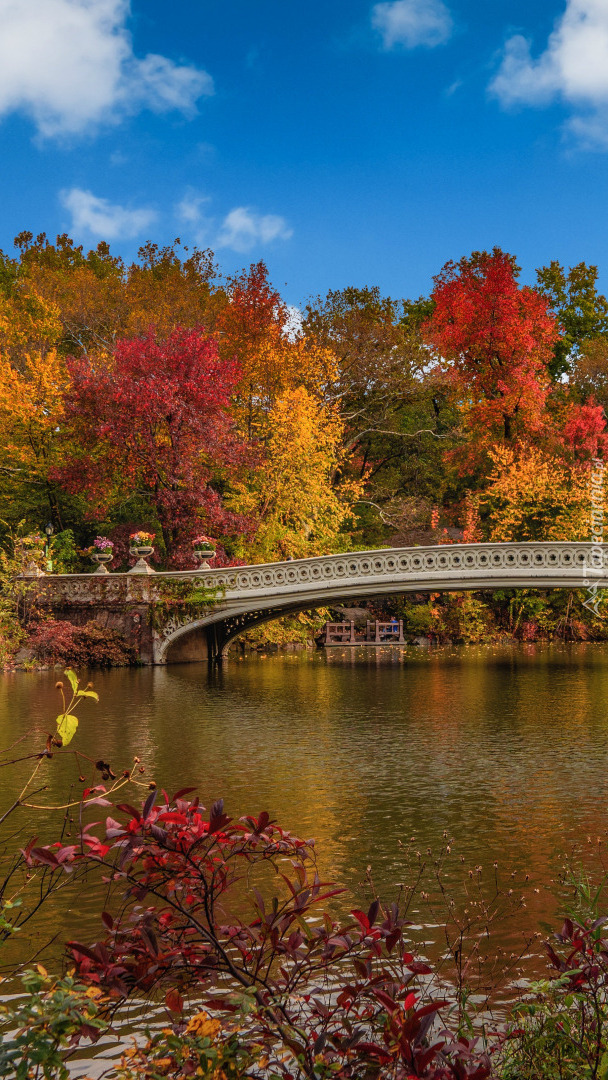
142,552
32,570
101,558
202,555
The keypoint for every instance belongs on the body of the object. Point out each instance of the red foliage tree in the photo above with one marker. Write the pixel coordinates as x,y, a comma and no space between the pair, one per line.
496,339
255,312
154,422
585,430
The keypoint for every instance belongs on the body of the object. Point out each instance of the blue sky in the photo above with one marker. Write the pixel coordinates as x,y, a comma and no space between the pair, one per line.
343,142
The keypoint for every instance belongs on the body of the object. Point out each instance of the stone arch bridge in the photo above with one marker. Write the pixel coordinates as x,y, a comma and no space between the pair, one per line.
144,609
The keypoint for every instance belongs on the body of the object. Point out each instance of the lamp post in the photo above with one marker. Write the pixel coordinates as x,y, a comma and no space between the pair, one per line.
49,532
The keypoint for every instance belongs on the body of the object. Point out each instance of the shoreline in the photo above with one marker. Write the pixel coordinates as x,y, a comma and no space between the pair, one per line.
359,651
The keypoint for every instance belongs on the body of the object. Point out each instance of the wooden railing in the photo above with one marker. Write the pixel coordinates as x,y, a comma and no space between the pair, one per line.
376,633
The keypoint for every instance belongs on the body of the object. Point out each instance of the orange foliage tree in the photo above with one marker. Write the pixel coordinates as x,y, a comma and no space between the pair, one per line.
31,413
99,299
253,328
534,495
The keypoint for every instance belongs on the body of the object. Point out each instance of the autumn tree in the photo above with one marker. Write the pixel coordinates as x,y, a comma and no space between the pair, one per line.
379,360
278,364
255,314
170,287
84,289
29,324
397,420
533,495
296,508
31,413
494,338
152,423
580,309
99,298
589,371
584,430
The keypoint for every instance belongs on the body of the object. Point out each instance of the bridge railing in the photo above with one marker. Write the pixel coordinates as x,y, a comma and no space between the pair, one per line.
570,562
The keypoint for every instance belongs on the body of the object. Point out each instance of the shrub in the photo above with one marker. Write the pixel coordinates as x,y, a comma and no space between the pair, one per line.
282,989
420,620
203,1048
300,628
92,645
561,1029
310,996
64,554
40,1029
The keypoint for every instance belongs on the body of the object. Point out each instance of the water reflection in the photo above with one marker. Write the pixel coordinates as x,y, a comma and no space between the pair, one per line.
504,749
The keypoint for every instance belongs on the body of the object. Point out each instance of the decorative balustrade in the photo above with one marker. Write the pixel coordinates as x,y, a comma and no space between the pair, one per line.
412,562
478,561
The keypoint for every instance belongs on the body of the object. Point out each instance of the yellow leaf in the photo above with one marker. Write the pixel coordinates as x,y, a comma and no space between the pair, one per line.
72,679
66,727
299,508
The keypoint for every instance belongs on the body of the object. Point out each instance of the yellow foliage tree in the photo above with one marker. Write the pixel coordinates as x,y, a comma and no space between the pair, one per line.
299,510
532,495
31,410
28,325
275,366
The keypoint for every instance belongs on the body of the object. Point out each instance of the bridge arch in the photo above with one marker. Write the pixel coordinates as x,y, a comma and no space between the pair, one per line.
252,595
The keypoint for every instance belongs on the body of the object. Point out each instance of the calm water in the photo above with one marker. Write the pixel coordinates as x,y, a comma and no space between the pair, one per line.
505,750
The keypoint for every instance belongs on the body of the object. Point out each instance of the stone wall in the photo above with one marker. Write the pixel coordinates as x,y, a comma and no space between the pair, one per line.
112,602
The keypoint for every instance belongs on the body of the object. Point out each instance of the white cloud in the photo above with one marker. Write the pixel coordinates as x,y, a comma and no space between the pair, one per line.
242,229
573,68
189,209
70,65
412,22
102,218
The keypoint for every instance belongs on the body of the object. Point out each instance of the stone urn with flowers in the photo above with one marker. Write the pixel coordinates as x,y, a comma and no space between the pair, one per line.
204,549
102,552
141,547
31,549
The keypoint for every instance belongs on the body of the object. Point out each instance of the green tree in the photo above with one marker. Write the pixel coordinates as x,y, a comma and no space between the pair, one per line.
392,405
581,311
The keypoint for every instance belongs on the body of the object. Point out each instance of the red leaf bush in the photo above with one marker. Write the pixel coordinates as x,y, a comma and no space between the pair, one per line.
92,645
314,996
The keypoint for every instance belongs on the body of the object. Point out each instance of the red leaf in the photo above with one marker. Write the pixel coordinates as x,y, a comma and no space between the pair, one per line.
42,855
362,918
174,1001
182,791
127,809
387,1001
420,968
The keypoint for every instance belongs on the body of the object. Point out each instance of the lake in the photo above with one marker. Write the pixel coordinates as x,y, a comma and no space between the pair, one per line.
377,753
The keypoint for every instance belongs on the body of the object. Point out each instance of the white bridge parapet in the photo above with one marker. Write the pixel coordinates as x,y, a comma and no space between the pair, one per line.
456,566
